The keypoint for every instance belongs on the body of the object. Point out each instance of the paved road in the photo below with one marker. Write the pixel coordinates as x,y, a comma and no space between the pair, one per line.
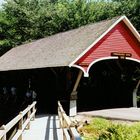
129,114
45,127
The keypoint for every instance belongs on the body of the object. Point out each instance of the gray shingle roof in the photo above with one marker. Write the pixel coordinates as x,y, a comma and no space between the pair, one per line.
56,50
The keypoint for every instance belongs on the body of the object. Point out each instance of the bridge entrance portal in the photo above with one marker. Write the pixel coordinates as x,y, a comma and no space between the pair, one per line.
110,85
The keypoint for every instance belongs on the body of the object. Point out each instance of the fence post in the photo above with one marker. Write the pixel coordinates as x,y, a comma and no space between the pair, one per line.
20,125
28,117
34,114
3,128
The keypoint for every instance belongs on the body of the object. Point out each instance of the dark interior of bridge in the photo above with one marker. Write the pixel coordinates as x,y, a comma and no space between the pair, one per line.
110,85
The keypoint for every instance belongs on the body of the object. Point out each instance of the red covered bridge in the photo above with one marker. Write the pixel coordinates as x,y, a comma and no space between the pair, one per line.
49,62
107,52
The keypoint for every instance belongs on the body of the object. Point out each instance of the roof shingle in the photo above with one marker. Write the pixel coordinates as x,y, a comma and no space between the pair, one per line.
56,50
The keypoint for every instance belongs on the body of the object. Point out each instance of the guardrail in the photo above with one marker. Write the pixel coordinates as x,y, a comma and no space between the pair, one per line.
68,127
22,121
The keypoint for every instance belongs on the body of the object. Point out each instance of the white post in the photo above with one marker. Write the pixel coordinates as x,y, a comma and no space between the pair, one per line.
135,94
73,106
73,98
135,98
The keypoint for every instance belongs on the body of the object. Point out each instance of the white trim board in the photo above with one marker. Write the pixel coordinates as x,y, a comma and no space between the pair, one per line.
86,73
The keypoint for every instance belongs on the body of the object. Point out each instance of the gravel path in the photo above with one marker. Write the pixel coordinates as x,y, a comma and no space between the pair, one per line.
119,114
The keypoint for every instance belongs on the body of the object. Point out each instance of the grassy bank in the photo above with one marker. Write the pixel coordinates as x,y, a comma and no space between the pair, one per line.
102,129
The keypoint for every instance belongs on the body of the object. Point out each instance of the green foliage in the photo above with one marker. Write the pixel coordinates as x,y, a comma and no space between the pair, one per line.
5,41
130,8
122,132
95,129
101,129
25,20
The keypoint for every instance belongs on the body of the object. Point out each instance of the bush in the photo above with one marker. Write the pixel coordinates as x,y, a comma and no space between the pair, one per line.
102,129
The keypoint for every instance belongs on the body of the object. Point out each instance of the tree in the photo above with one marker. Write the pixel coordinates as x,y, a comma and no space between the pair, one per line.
5,42
130,8
25,20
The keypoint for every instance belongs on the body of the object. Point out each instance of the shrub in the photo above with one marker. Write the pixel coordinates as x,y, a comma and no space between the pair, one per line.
102,129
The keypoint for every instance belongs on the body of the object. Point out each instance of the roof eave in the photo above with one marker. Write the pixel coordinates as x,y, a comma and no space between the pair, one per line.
132,28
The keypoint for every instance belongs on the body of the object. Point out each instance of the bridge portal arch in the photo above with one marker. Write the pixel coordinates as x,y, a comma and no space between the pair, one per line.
107,58
110,84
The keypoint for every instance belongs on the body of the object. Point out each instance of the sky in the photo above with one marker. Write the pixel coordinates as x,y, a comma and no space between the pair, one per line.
1,1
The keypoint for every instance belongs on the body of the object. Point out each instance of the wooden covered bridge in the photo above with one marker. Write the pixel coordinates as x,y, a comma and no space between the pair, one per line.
55,67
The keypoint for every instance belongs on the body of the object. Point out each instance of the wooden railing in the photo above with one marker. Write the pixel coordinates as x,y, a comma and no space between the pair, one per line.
68,127
20,122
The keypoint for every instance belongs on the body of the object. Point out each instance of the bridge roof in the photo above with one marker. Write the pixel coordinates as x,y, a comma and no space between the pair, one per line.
62,49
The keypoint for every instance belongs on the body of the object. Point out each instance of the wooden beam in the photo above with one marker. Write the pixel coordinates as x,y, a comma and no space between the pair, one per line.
74,91
77,81
119,65
138,84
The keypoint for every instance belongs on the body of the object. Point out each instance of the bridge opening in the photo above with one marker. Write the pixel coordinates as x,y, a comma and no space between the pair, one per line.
110,85
50,85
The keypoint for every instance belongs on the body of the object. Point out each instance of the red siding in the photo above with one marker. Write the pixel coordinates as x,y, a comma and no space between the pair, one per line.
119,39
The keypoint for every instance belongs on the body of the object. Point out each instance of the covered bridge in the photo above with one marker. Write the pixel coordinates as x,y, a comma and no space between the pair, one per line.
55,64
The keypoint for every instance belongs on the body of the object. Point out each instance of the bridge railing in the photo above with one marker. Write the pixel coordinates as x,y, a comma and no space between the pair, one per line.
68,127
20,122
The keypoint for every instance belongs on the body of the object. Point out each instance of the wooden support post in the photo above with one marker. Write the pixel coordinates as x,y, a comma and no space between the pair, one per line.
135,94
20,126
73,98
28,117
3,128
4,137
73,108
34,114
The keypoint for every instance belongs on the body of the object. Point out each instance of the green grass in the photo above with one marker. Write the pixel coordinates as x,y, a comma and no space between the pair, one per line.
102,129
